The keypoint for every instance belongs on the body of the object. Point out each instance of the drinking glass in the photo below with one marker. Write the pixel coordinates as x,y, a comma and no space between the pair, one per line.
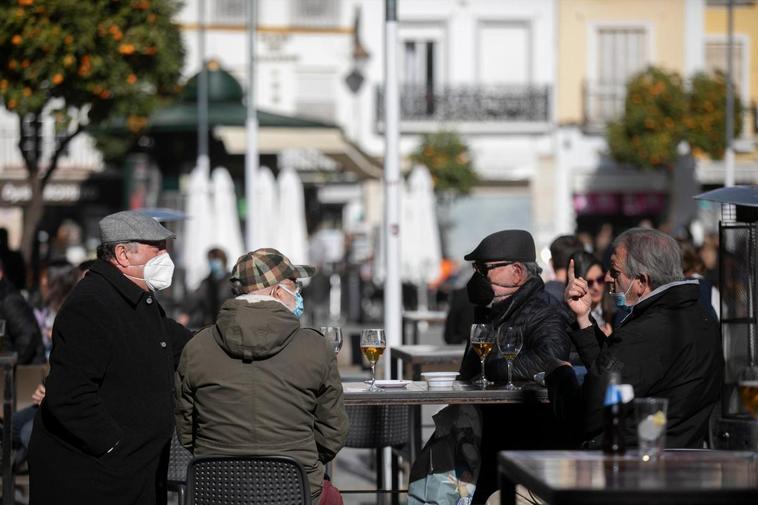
482,341
509,341
333,335
372,347
2,335
651,426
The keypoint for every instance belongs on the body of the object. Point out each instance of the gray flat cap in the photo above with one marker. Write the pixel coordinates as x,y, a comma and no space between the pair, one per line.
132,226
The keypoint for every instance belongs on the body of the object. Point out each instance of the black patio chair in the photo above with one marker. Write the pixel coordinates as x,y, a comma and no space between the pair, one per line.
249,480
376,427
178,461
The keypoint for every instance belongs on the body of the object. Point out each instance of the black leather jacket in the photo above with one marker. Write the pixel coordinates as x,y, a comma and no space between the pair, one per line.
545,322
22,332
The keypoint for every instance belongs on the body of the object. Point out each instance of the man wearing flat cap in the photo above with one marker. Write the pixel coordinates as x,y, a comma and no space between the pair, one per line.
258,383
507,291
103,430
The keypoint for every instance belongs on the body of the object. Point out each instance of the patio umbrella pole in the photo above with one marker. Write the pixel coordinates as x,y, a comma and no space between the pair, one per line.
202,93
392,293
729,154
251,128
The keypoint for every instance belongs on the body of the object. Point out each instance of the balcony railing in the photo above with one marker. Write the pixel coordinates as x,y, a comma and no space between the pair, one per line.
506,103
603,102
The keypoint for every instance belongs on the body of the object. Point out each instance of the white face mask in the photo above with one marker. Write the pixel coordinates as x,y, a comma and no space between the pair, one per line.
158,272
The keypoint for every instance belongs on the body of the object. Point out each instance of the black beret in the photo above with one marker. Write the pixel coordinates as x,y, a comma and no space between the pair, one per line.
506,245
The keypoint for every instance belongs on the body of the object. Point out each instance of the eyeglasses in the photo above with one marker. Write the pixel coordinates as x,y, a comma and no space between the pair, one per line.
600,279
484,268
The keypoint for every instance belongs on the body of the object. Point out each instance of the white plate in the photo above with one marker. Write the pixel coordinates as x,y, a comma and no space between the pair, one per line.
391,383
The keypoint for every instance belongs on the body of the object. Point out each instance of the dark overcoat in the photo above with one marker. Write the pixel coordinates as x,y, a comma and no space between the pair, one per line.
103,429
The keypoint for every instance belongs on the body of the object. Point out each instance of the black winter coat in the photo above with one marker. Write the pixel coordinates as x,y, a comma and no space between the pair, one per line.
104,427
22,332
545,324
668,347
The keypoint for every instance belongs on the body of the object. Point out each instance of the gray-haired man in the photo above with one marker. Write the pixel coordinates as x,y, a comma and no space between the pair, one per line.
668,346
103,430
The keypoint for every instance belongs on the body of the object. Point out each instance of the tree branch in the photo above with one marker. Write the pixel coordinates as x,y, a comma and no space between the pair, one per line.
58,150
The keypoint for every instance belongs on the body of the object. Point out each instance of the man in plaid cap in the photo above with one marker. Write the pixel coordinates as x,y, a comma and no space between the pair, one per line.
258,383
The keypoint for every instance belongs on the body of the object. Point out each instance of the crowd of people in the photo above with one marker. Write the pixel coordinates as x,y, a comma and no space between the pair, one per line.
125,377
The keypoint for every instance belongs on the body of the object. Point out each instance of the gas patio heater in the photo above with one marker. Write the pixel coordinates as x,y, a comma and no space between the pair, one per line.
731,426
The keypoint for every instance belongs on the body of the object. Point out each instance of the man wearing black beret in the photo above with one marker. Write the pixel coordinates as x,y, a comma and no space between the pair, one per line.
507,290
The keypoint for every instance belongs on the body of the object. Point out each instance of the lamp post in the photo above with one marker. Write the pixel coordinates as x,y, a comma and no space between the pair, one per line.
729,153
251,128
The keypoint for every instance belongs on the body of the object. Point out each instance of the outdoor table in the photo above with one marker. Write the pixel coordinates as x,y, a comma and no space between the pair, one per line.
419,355
588,477
418,393
414,317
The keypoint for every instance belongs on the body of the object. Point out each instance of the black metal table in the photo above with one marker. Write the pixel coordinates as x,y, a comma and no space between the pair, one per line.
680,477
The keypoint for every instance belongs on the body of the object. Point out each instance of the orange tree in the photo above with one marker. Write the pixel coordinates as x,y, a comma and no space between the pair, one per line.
706,121
447,157
79,63
659,114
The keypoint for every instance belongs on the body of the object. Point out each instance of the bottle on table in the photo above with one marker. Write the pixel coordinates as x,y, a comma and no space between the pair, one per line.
613,411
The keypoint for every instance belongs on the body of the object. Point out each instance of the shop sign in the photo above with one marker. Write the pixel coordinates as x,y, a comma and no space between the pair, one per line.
61,193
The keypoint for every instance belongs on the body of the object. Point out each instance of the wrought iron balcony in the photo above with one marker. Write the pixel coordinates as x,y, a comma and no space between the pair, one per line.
471,104
603,102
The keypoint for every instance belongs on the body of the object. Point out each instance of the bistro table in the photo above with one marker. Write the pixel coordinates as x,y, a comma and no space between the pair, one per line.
418,393
587,477
416,317
417,356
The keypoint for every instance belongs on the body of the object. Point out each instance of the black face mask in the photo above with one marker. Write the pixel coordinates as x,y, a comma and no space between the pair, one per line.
479,290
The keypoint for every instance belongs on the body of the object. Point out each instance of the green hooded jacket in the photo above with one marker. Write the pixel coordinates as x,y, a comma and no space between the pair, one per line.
257,383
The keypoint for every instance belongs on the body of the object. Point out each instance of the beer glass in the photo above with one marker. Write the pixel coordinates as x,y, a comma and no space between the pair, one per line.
482,342
372,347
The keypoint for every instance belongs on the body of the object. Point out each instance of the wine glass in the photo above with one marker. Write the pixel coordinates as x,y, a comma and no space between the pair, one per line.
482,341
372,347
509,341
333,335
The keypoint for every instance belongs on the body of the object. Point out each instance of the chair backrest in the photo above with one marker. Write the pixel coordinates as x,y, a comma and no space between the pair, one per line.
178,460
247,480
374,426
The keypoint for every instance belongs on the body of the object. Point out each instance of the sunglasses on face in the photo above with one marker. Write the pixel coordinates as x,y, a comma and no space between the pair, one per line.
484,268
600,279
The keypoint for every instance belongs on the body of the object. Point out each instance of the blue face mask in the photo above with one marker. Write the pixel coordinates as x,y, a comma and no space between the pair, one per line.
620,298
299,305
217,268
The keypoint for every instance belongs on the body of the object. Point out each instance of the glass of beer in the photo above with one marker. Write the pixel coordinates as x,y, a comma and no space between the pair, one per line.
333,335
372,347
482,341
509,341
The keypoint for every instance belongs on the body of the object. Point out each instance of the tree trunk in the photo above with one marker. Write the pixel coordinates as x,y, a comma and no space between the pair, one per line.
32,216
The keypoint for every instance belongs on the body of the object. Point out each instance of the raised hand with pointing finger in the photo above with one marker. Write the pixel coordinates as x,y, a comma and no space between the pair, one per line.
577,297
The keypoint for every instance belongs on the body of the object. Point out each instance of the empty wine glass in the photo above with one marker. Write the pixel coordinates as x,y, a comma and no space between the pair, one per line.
482,341
333,335
372,346
509,341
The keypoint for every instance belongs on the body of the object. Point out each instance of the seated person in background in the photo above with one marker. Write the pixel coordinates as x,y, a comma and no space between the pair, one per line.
202,306
258,383
22,333
668,346
561,250
508,291
589,268
693,268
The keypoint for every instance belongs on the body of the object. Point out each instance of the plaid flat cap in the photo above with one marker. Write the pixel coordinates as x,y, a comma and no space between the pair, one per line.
266,267
132,226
